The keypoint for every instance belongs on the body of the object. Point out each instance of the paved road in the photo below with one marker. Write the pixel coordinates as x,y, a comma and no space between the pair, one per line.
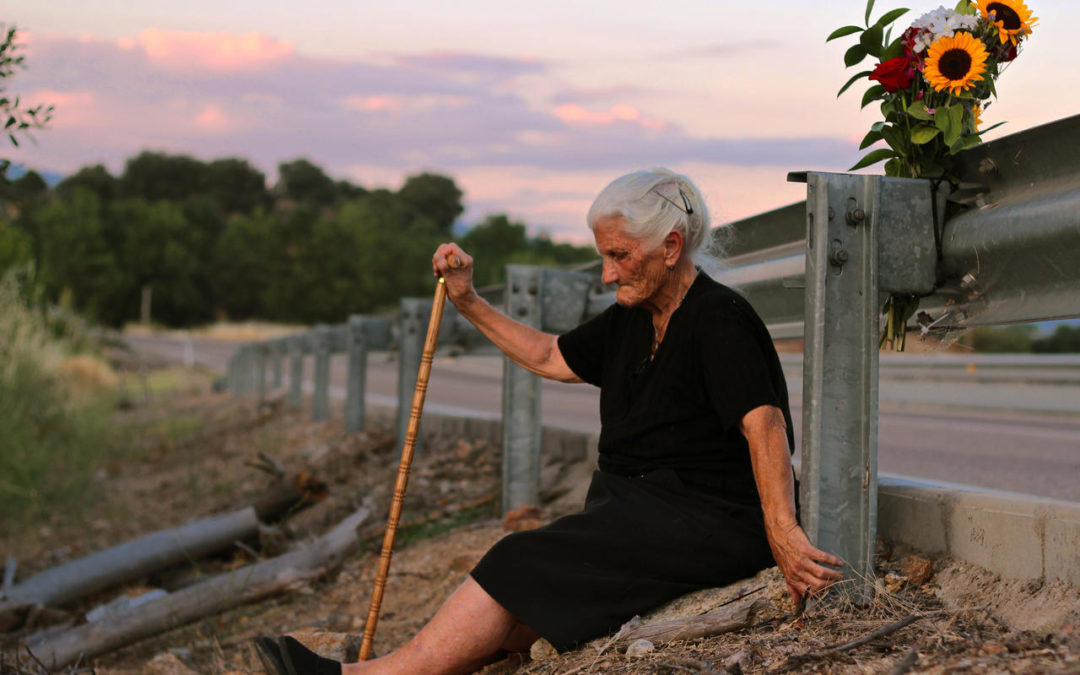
922,429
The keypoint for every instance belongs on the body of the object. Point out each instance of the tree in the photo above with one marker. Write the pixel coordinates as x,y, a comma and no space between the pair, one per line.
96,179
435,196
243,256
302,181
235,185
27,187
15,247
17,120
491,244
154,176
1065,339
79,258
162,250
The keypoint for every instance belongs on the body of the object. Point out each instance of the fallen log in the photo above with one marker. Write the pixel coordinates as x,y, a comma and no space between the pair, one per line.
124,563
213,596
720,620
289,495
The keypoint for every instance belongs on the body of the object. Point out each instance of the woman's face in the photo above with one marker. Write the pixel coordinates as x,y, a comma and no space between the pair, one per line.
638,273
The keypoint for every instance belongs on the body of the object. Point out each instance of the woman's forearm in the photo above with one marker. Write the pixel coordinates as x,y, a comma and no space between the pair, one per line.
530,348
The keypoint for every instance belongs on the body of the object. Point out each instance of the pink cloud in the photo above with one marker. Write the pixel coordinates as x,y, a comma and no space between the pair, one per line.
209,51
73,108
412,104
212,118
371,103
577,115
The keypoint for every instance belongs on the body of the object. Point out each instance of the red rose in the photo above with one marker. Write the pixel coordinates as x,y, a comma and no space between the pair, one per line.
893,74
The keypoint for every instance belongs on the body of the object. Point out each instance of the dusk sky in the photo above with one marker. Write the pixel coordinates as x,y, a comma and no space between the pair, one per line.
532,107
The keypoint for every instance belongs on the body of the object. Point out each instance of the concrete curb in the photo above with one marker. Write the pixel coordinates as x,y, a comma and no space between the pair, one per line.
1014,535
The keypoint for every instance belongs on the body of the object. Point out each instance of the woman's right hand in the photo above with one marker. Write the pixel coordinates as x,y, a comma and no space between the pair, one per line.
454,265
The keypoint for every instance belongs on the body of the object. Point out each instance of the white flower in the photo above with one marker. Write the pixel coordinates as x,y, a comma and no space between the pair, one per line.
941,23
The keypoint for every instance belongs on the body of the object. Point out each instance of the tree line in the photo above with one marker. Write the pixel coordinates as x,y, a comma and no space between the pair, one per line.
211,241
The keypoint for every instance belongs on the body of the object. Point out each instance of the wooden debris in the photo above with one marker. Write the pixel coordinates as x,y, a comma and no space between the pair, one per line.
9,572
211,597
289,495
800,660
721,620
124,563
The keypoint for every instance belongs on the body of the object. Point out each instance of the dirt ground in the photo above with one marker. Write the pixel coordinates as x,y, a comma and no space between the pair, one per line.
193,457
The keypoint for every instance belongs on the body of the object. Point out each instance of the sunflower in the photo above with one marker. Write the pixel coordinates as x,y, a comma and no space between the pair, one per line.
1012,18
955,63
976,114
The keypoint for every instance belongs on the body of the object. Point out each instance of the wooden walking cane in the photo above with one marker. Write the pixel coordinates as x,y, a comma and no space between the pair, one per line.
406,461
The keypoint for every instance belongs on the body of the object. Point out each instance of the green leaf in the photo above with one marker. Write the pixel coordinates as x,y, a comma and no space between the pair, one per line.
873,158
888,107
924,133
877,126
965,7
854,54
990,84
841,32
869,8
955,113
852,81
890,16
944,120
870,138
895,138
963,143
871,40
894,167
917,109
989,128
872,94
894,50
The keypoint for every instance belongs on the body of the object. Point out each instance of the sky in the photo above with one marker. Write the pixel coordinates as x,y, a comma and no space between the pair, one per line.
532,107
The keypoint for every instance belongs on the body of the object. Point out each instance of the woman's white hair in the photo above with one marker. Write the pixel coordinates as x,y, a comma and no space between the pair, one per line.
655,203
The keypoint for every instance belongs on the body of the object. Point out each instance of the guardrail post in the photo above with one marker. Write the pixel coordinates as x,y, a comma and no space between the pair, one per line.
277,352
414,318
248,359
356,347
296,371
321,408
865,235
521,397
230,374
261,351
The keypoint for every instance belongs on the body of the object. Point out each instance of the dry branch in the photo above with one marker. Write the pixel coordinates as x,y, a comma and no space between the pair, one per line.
124,563
211,597
720,620
799,660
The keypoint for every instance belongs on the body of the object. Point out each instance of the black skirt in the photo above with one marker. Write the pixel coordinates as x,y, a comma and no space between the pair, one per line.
640,542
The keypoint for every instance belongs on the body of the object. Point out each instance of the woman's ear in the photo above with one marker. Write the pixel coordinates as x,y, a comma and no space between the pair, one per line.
673,247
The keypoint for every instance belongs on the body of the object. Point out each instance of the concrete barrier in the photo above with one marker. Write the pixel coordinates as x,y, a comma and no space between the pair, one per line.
1015,535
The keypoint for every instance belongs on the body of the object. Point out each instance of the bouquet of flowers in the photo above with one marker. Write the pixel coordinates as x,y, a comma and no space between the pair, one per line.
934,82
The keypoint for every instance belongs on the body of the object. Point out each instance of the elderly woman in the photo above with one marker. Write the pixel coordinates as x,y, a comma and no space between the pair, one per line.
694,488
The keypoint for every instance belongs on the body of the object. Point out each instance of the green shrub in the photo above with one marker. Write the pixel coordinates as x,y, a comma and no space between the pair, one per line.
1002,339
48,438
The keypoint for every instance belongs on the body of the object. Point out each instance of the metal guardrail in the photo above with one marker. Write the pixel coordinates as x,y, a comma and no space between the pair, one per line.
820,269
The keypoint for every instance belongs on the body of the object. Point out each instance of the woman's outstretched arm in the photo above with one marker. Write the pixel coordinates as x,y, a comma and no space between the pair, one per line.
800,562
532,349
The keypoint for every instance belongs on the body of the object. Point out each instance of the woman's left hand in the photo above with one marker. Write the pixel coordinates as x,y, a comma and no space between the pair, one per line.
801,562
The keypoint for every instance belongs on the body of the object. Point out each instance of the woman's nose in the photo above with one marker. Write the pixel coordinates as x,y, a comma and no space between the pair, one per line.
607,273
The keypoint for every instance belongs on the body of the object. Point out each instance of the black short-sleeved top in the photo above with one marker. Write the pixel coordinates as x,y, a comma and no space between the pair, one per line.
681,410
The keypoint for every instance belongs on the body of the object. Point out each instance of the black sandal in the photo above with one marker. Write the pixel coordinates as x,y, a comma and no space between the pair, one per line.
299,660
270,656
